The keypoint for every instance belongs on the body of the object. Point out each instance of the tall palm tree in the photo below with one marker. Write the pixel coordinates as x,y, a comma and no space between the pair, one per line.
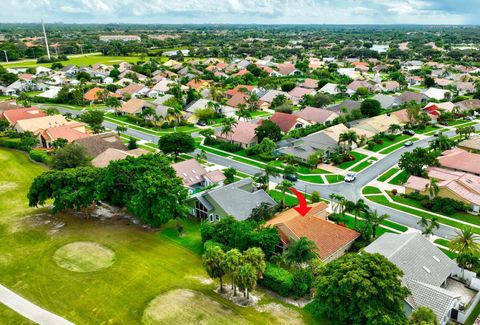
174,114
394,128
243,112
228,125
301,251
270,170
442,143
433,188
373,219
215,94
465,243
283,187
357,208
348,137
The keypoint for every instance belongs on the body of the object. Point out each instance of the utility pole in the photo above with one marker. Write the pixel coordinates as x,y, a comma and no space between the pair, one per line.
46,41
6,56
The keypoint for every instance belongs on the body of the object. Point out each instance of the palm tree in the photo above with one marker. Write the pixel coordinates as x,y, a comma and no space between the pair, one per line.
121,129
442,143
228,124
243,112
357,208
270,170
433,188
394,128
465,242
252,102
114,103
174,114
301,251
373,219
283,187
348,137
215,94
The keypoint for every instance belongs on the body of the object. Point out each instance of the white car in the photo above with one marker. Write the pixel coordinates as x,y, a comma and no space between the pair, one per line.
350,177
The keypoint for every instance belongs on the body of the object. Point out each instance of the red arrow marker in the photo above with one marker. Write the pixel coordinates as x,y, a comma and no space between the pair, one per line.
302,208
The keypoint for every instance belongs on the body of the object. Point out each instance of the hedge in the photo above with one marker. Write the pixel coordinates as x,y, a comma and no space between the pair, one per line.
40,156
277,279
13,143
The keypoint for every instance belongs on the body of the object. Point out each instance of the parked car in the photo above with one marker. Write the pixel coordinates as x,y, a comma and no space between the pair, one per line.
408,144
409,132
437,133
350,177
469,118
291,178
201,123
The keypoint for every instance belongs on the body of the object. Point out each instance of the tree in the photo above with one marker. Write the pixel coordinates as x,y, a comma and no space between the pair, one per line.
121,129
263,212
423,316
465,131
315,197
441,143
266,148
71,156
270,169
228,125
374,220
247,278
394,128
233,261
278,100
358,208
132,143
433,188
465,242
229,175
73,188
348,137
243,112
176,143
51,111
414,162
113,103
360,289
429,82
94,119
255,257
315,158
283,187
215,264
301,251
270,130
370,107
413,112
289,170
204,114
59,143
428,225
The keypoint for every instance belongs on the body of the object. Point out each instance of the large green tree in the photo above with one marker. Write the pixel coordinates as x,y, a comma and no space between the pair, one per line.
215,264
94,119
360,289
423,316
70,156
176,143
370,107
414,162
270,130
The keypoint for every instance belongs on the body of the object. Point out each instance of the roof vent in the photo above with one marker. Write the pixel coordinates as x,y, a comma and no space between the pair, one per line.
426,269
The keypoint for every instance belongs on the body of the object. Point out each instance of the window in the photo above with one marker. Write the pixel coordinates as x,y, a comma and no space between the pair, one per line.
200,211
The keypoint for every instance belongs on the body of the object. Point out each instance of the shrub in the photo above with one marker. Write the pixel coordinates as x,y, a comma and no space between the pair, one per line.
302,282
390,137
40,156
277,279
371,144
10,143
230,147
315,197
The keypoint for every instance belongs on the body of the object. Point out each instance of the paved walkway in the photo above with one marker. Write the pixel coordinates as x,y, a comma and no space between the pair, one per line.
30,310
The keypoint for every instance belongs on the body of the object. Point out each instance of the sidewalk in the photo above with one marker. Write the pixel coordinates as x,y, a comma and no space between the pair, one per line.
30,310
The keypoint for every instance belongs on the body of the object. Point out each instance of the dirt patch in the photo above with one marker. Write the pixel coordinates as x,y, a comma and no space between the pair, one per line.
202,280
184,306
7,186
84,257
281,314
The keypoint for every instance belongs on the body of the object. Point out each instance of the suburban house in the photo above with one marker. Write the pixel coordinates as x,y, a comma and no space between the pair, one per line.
240,88
309,83
198,84
460,160
431,276
287,69
331,89
460,186
387,101
69,132
236,199
204,103
243,134
96,144
265,101
409,96
469,104
297,93
195,176
345,107
303,148
15,115
112,154
472,144
134,90
95,95
316,115
388,86
437,93
331,240
288,122
135,106
39,124
376,124
354,85
237,99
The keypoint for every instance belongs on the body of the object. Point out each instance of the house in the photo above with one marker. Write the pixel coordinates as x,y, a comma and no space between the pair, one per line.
331,240
287,69
52,92
243,134
465,88
430,275
15,115
195,176
99,143
303,148
349,72
38,124
135,106
238,99
471,145
438,94
202,103
316,115
460,186
239,88
309,83
377,124
288,122
297,93
388,86
402,116
460,160
469,104
265,101
112,154
409,96
331,89
237,199
198,84
354,85
70,132
134,90
387,101
344,107
163,86
95,94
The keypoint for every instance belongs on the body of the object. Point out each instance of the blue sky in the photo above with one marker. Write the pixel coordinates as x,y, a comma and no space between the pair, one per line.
243,11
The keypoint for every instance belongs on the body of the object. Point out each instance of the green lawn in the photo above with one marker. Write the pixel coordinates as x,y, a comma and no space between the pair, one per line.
334,178
400,179
312,179
81,61
358,157
147,263
371,190
428,129
364,164
290,201
396,146
387,142
350,223
442,242
123,120
389,173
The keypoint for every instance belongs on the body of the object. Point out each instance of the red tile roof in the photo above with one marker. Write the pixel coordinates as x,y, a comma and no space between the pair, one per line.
67,132
236,90
459,159
237,99
285,121
14,115
243,132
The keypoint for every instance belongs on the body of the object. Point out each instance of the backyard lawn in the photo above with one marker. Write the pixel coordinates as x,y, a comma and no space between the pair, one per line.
80,60
146,264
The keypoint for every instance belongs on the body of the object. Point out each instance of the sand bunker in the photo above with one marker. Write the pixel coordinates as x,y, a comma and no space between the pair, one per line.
84,257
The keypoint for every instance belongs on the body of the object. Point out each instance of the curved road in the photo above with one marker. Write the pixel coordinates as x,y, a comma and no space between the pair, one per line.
351,191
